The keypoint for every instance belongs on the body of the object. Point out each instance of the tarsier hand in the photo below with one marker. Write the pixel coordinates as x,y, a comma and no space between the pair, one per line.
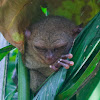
63,62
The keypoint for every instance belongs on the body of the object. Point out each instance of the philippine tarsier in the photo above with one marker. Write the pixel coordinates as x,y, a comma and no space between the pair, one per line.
47,45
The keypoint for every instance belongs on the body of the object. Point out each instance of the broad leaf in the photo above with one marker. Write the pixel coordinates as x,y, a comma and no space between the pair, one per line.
69,92
49,90
10,95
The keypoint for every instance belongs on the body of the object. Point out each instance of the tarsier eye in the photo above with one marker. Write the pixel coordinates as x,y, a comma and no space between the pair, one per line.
55,49
40,48
59,48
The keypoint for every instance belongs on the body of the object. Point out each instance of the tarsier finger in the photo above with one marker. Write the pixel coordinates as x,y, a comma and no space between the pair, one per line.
53,67
64,65
70,63
67,56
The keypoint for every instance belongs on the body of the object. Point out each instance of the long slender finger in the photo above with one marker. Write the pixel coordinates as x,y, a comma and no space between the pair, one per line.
57,65
53,67
64,65
67,56
70,63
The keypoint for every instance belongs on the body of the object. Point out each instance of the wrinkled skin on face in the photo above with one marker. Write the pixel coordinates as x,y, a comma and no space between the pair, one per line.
47,48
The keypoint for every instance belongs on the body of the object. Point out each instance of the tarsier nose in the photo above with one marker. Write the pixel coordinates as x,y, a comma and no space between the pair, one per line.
50,61
50,58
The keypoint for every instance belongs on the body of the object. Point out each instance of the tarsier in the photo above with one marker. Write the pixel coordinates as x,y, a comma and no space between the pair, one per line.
47,46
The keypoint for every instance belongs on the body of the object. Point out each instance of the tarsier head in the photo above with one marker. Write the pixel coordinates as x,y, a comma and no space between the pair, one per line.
50,38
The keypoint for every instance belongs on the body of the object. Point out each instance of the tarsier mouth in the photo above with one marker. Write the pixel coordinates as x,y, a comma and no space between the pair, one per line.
51,61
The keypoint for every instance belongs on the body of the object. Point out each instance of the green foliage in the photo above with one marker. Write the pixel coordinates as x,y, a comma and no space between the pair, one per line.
23,80
52,86
4,51
10,95
13,54
92,87
44,10
79,11
11,87
70,91
95,95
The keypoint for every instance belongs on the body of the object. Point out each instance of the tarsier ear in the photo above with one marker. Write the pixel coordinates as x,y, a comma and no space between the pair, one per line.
77,30
27,34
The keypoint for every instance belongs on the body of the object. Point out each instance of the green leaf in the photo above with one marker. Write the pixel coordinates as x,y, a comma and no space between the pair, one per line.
69,92
95,94
92,88
23,80
44,10
80,70
49,90
13,54
4,51
10,95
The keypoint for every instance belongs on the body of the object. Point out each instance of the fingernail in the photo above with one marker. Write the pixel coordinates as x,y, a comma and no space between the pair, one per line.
67,67
50,66
72,63
70,56
60,59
